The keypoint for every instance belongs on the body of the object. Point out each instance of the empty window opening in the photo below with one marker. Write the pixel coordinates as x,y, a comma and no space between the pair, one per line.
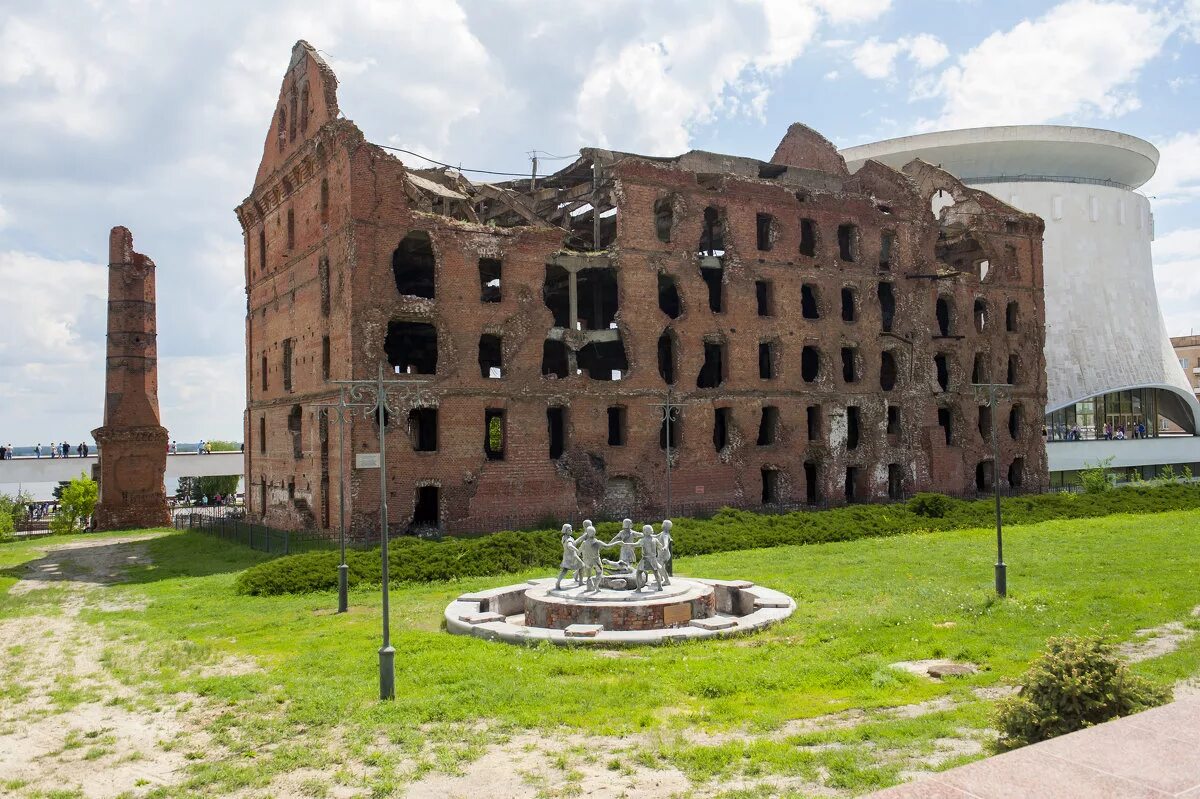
1014,369
770,486
765,295
895,481
979,371
946,422
668,432
556,424
981,314
853,426
287,364
983,268
597,292
812,490
940,200
712,372
556,293
295,117
427,510
943,316
849,312
714,278
491,356
851,486
810,364
887,306
666,358
808,302
603,360
1016,472
893,420
664,218
712,235
850,364
263,370
323,278
326,358
766,360
262,250
291,489
413,265
616,426
813,419
295,425
411,347
494,434
886,241
984,476
985,421
942,365
848,242
1016,421
324,200
887,370
489,279
768,425
720,428
808,237
422,429
282,132
262,434
554,359
1012,317
291,229
668,296
765,230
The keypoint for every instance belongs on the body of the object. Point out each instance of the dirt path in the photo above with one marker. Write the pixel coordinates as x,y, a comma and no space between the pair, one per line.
66,723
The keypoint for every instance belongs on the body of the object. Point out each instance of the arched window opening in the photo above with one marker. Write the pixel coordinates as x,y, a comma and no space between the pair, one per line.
850,364
848,242
981,314
712,235
295,425
666,358
1016,472
887,370
808,237
668,296
985,422
411,347
1016,421
1014,370
664,218
942,366
849,309
980,372
984,476
413,265
944,316
764,226
810,364
720,428
853,426
1012,317
946,422
895,481
809,308
554,359
887,240
491,356
887,306
603,360
768,425
712,371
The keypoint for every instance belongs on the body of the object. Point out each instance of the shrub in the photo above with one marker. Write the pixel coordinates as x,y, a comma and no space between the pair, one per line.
932,506
728,530
1077,682
76,506
1095,478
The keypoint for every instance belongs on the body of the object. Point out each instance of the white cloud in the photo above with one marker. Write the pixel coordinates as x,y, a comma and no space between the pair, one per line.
5,218
831,75
54,310
876,59
1177,279
1080,57
853,11
1178,176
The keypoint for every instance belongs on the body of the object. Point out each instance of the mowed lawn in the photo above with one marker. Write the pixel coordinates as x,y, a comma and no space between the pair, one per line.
862,605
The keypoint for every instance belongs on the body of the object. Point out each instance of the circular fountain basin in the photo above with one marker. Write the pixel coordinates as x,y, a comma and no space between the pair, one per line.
687,609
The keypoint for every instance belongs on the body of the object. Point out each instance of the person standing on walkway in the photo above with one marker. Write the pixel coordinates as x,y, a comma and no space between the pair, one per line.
200,447
66,449
86,449
53,450
37,451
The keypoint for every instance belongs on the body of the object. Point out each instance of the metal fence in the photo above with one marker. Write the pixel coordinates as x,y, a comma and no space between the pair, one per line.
231,524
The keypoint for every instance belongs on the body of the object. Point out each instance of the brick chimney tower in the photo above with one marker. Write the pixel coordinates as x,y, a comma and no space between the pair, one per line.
132,442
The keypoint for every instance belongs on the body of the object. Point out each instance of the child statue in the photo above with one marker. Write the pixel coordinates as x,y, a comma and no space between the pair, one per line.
570,559
649,562
589,550
665,558
627,539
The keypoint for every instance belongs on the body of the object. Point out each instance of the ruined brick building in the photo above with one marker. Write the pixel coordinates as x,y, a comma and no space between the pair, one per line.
820,329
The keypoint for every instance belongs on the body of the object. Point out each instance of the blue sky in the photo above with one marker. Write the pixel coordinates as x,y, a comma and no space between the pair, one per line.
153,114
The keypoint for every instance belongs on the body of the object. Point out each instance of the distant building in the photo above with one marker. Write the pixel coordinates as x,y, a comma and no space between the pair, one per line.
820,331
1109,362
1187,350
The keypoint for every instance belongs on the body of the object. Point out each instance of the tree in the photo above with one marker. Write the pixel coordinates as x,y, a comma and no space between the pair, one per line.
224,446
76,505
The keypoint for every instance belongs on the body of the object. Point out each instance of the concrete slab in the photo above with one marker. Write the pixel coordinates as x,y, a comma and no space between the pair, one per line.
715,623
583,630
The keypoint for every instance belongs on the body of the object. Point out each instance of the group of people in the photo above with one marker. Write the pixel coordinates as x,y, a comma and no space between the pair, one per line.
1062,432
582,555
1135,431
6,452
55,450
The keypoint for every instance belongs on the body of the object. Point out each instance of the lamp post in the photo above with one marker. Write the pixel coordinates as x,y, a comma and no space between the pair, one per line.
993,392
372,397
344,412
669,411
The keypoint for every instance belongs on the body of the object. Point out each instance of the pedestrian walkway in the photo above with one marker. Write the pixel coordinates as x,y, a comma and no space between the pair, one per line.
1155,753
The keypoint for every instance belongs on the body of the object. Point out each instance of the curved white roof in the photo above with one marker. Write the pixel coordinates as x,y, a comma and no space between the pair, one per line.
1015,151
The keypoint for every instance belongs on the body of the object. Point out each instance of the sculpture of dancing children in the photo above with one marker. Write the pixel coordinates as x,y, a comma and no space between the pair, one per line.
570,560
627,539
665,558
589,551
649,562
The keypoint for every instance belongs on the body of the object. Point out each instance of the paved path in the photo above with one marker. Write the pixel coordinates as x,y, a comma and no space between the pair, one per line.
1155,753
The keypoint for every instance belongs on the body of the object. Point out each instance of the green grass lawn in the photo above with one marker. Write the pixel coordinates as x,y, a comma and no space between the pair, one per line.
862,605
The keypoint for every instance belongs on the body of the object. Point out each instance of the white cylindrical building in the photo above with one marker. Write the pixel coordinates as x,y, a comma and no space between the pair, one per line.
1109,362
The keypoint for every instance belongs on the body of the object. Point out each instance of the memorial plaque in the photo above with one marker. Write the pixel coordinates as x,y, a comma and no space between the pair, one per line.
677,614
366,460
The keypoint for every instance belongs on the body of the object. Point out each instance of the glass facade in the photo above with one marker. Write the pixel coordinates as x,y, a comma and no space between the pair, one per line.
1115,415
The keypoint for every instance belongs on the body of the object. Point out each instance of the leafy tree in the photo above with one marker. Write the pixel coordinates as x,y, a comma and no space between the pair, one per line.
1095,478
76,505
224,446
12,512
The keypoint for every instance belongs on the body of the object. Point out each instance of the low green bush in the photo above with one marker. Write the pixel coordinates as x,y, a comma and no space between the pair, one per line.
1077,682
417,560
